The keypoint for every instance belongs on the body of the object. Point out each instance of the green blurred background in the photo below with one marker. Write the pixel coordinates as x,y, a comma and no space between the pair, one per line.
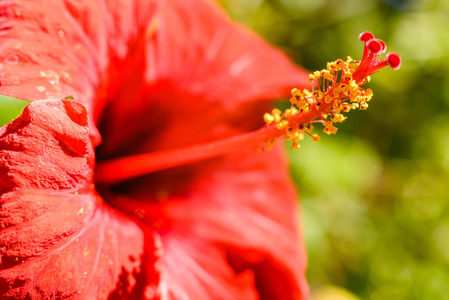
374,196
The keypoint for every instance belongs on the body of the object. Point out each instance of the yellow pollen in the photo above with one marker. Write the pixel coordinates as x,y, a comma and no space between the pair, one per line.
343,88
363,106
317,95
282,125
309,127
295,146
268,118
276,111
316,137
338,118
311,78
340,63
347,77
334,92
290,112
330,130
327,75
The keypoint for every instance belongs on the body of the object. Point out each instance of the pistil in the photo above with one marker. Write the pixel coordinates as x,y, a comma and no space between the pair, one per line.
335,90
121,169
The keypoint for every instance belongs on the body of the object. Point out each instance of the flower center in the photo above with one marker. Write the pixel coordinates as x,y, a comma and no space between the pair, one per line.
335,90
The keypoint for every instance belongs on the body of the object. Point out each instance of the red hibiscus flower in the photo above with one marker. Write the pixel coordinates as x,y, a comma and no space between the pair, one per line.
115,194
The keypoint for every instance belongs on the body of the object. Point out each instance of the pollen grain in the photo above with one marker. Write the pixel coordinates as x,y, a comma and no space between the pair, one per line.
335,90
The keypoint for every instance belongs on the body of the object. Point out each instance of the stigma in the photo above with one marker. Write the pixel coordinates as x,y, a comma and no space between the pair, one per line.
334,92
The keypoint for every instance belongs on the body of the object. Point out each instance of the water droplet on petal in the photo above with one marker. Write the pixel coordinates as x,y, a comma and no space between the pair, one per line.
34,57
41,88
61,33
67,77
12,59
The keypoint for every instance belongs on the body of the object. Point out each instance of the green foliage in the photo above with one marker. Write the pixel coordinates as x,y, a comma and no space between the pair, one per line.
374,196
10,108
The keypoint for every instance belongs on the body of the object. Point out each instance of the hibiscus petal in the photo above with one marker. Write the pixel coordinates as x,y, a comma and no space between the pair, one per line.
57,238
60,48
260,228
194,269
46,51
214,58
243,204
56,49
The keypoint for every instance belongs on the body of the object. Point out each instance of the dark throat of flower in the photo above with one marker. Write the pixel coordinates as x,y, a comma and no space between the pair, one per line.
335,90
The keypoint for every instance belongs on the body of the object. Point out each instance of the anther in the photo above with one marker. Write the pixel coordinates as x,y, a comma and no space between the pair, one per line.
363,106
340,63
295,146
268,118
332,94
347,77
318,95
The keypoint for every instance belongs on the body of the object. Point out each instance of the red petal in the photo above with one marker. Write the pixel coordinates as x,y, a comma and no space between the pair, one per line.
56,49
193,269
57,238
243,204
204,53
60,48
